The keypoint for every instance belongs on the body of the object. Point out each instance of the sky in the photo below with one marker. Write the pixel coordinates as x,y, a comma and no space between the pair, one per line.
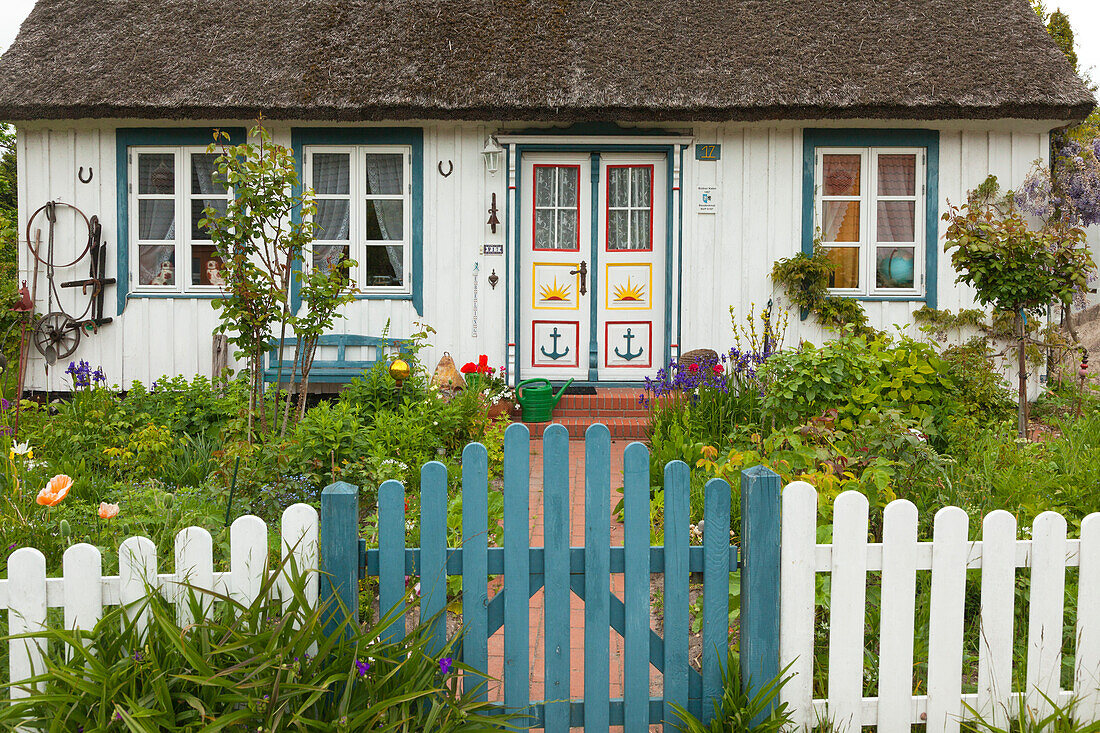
1083,14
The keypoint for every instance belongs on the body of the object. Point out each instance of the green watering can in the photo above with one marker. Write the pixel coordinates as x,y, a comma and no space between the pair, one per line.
537,398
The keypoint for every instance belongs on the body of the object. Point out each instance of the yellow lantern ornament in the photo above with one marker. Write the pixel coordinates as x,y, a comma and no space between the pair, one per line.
400,371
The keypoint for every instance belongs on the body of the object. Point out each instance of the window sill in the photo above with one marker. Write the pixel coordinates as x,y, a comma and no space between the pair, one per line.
383,296
889,298
199,296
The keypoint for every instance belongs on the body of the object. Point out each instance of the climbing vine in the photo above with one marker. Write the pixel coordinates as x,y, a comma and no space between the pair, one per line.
805,278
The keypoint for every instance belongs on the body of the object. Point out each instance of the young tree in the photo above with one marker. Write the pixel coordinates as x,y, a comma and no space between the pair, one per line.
1014,268
259,239
323,292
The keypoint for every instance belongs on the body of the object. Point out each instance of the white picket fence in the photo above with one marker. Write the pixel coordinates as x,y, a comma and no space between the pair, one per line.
83,591
951,553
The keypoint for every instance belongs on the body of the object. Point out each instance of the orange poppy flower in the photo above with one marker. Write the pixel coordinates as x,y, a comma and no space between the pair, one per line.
56,490
107,511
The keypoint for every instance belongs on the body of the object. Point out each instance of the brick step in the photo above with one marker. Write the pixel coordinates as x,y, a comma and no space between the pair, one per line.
621,428
600,415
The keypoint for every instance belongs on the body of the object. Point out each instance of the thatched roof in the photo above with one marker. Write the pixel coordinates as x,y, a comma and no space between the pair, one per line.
537,60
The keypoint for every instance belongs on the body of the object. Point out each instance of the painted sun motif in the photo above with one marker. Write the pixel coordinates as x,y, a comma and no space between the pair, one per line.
555,292
629,293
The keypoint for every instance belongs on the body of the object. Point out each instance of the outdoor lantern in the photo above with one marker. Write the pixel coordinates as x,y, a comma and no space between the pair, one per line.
400,371
493,154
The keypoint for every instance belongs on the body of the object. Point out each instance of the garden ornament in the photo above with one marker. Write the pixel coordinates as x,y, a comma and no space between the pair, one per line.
400,371
537,398
447,375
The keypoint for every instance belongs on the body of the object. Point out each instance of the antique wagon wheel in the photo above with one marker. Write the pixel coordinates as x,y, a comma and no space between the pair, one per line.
56,335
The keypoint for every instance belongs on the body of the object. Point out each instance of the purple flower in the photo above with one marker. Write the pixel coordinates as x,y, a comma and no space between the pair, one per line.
362,667
445,664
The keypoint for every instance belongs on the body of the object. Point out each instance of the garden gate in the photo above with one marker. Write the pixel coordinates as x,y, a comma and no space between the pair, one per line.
585,571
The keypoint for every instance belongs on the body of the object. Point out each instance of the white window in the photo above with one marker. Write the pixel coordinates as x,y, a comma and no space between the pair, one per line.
364,212
169,189
870,214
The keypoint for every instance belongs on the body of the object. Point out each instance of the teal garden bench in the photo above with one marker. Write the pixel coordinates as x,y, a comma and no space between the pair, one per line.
331,371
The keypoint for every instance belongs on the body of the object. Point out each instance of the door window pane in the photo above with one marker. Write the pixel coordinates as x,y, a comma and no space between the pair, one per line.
846,274
897,175
332,174
618,229
640,231
156,173
384,266
618,187
156,264
544,228
385,172
544,185
629,197
567,229
840,221
556,207
567,186
841,175
894,267
156,219
896,220
332,219
385,220
641,186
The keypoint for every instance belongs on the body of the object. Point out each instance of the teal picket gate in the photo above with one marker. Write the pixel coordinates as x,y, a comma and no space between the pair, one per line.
584,571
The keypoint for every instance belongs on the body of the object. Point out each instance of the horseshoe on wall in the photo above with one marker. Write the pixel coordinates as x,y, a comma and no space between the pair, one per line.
80,175
450,168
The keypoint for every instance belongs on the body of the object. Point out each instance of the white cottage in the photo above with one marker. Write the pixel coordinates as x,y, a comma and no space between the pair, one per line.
577,189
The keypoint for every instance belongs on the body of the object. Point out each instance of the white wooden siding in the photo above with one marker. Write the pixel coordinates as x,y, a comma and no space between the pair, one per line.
727,256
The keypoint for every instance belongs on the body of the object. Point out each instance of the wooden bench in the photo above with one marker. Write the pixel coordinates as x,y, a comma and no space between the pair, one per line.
330,371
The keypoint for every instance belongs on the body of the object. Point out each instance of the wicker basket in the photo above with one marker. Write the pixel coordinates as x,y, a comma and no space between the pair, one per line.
698,356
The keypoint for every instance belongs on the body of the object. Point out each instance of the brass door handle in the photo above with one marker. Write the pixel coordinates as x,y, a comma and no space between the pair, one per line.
583,272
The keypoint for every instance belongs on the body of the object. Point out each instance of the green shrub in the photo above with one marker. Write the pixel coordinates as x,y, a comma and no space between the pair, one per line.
246,668
857,376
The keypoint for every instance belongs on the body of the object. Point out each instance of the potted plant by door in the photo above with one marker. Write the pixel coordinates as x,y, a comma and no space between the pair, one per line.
477,374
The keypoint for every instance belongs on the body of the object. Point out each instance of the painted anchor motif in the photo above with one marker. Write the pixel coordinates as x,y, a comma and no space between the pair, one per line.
555,354
628,356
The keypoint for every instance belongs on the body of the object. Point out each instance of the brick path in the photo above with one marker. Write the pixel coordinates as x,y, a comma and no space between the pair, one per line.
576,535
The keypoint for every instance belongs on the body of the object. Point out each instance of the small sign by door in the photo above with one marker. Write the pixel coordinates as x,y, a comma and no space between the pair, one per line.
492,249
706,200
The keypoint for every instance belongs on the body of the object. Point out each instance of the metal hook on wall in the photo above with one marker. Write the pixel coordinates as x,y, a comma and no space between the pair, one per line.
450,168
80,175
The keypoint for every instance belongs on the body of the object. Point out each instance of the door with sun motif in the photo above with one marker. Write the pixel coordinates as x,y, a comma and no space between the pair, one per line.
556,230
592,266
630,308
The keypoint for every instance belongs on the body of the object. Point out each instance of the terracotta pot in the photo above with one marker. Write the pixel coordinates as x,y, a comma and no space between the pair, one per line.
503,407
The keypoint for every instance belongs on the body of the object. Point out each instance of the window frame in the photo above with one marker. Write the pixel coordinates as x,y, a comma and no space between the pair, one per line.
869,198
608,208
557,209
359,199
183,243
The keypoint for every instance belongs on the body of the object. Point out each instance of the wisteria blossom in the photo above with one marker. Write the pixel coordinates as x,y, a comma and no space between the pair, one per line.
1069,191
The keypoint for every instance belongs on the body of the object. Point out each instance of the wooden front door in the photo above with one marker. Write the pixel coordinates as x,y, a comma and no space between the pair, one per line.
592,266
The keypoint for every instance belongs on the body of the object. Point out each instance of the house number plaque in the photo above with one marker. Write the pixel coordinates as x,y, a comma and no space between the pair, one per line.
492,249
